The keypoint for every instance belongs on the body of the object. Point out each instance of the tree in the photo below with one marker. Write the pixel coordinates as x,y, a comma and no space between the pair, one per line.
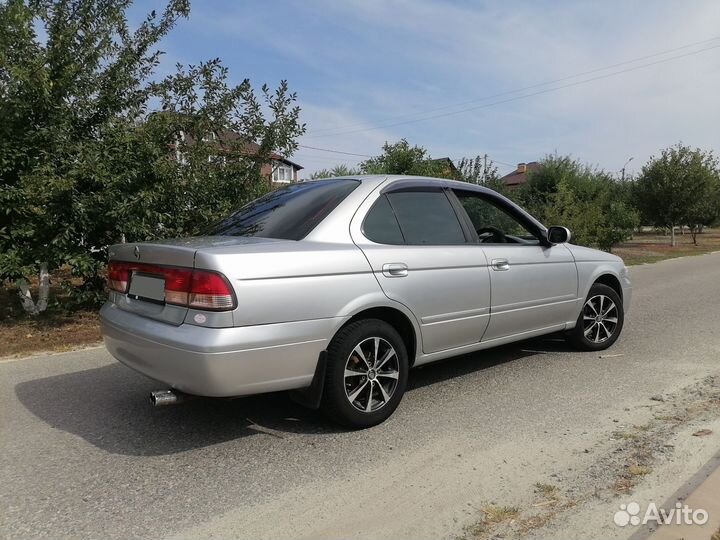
704,208
337,170
678,188
586,200
480,170
82,164
566,208
401,158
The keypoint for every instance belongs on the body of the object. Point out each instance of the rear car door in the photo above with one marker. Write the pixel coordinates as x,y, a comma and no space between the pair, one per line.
423,258
534,285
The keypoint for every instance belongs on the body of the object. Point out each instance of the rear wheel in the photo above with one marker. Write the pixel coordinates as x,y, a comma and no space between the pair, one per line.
366,374
600,321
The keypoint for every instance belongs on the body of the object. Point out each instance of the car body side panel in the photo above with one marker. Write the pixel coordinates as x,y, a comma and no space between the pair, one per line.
486,344
539,288
292,281
447,287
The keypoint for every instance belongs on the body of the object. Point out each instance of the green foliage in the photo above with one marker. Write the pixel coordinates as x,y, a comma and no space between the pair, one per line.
682,186
401,158
337,170
483,214
82,164
587,201
480,170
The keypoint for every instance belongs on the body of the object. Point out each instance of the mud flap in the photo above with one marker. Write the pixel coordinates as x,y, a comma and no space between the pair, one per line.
311,396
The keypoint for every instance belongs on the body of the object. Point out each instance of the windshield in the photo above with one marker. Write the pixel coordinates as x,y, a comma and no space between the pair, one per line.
289,213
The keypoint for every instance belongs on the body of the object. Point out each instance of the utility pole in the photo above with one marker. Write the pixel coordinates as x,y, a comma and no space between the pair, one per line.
623,169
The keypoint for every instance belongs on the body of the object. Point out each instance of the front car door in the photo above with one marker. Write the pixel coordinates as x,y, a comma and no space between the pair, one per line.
534,284
424,258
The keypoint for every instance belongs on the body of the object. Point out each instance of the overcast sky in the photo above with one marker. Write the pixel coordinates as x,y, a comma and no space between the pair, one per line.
467,78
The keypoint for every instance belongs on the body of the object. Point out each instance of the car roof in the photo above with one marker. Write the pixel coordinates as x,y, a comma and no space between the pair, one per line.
411,181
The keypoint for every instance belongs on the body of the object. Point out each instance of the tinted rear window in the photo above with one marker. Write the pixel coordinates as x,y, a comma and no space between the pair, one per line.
380,224
289,213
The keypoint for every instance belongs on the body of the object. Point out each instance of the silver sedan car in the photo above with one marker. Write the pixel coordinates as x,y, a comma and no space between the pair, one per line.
334,289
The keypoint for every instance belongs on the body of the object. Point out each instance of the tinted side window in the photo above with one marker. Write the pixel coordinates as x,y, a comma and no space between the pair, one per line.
289,213
493,223
380,224
426,217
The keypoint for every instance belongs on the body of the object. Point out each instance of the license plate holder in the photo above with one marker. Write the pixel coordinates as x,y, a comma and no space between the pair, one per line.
148,288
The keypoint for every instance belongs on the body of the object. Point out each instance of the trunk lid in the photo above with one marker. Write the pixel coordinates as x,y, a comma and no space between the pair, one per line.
145,296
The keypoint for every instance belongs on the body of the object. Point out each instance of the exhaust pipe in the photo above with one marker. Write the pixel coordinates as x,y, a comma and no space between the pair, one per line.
162,398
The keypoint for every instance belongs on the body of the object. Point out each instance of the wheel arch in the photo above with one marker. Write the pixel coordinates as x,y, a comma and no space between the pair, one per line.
396,318
612,281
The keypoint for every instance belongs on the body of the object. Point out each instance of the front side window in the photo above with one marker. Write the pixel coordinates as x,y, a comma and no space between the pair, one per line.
494,224
288,213
426,217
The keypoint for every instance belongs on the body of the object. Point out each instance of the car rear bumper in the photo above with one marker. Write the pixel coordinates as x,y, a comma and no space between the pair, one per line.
218,362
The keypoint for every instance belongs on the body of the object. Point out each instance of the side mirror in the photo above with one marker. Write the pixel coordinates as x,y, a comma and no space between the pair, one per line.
558,235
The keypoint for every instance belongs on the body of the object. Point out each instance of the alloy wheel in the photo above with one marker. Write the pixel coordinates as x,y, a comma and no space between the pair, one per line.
600,318
371,374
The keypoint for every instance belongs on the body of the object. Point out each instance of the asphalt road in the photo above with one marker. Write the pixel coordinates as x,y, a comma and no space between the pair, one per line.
83,455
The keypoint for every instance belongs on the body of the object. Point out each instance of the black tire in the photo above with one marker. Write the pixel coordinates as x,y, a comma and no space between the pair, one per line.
593,337
339,389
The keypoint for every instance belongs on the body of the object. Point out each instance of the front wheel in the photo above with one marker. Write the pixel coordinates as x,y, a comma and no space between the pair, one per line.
600,321
366,374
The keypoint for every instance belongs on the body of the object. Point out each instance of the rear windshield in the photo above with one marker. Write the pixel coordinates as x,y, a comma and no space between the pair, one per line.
289,213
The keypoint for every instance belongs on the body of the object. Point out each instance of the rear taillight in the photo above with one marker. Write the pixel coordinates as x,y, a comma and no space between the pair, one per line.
177,285
118,276
199,289
209,290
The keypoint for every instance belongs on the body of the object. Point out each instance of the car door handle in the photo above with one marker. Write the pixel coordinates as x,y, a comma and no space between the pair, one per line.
395,270
500,264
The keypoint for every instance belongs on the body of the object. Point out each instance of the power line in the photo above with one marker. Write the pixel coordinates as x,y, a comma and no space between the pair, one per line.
327,159
490,160
369,156
576,83
334,151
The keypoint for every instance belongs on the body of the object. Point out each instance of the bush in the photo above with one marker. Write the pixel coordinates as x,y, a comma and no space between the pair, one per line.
586,200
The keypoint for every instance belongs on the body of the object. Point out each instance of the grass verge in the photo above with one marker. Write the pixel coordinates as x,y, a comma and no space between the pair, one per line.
649,247
53,330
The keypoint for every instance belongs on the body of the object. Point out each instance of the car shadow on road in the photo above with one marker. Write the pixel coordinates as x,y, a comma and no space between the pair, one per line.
109,406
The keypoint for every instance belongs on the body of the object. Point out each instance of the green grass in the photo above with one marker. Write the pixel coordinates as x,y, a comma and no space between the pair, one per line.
648,247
